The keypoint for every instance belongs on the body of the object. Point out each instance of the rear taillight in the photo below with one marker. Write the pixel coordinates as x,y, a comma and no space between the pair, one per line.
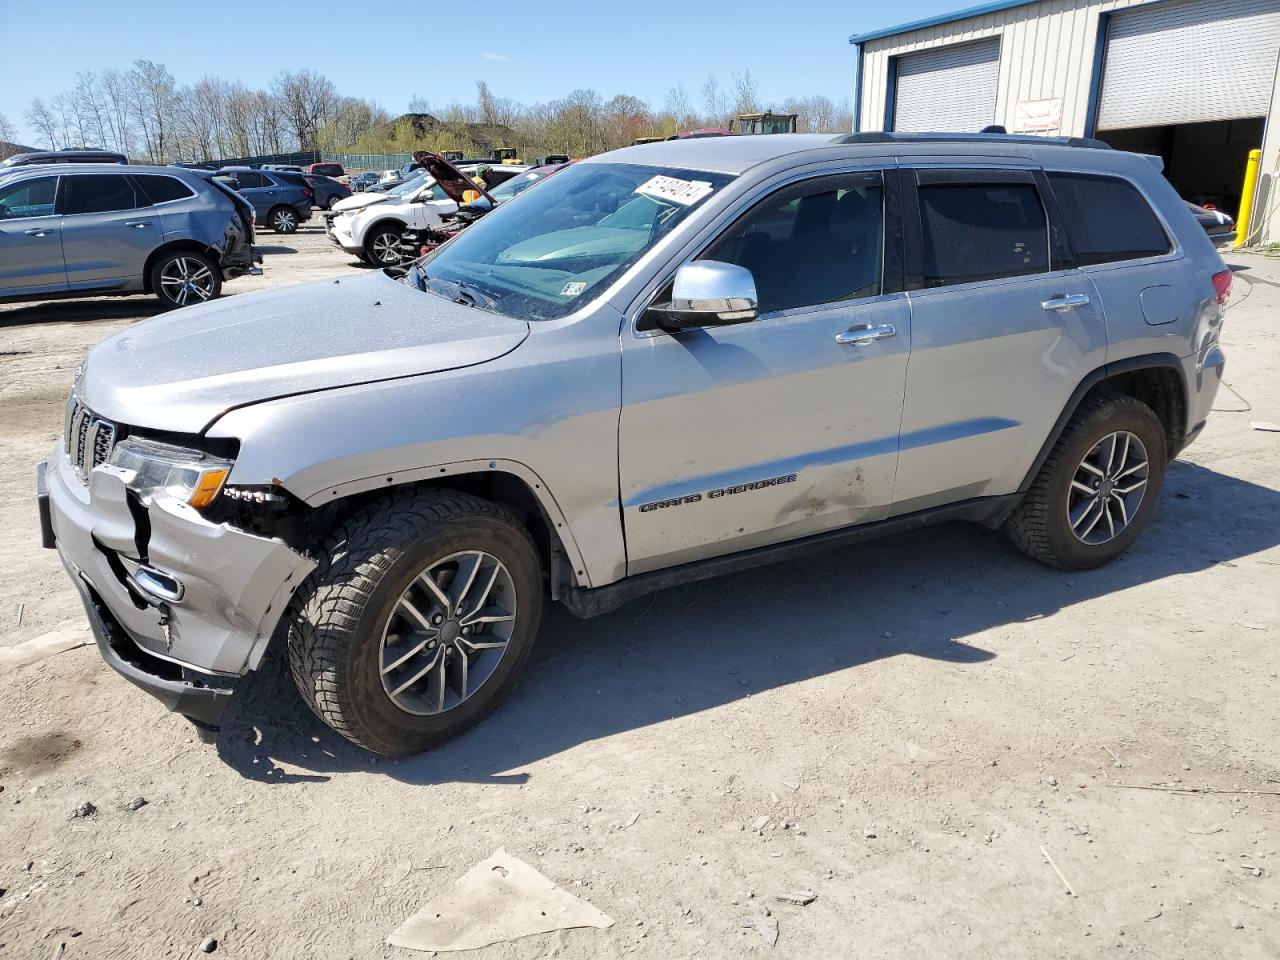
1222,285
308,192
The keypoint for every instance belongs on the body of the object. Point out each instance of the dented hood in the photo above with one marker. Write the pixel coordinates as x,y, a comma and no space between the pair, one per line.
182,370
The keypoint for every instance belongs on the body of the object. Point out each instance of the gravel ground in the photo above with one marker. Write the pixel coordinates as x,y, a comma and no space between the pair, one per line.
932,733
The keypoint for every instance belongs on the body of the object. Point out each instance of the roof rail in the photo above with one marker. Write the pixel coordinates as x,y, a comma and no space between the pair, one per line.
881,137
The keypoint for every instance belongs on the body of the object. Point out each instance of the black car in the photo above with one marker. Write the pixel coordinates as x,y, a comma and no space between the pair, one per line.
64,156
1220,226
328,190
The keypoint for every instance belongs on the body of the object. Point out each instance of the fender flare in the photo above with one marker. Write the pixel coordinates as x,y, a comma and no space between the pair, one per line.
537,486
1091,380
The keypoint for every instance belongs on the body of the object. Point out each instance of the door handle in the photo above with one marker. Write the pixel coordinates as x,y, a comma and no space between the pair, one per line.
1064,303
36,232
865,333
137,224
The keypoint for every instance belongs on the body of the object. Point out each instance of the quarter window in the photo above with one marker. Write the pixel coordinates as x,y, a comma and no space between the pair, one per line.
160,189
1107,219
97,193
809,244
981,231
28,198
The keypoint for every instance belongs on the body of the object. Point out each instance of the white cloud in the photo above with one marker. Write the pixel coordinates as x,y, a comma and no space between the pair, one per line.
497,56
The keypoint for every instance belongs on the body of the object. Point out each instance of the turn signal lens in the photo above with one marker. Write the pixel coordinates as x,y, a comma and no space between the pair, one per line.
207,488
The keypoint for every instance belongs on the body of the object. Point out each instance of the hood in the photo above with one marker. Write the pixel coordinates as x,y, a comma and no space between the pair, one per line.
449,178
358,201
182,370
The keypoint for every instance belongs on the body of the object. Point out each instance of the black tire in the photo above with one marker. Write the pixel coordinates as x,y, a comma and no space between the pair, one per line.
333,199
203,279
338,616
283,219
1040,525
383,237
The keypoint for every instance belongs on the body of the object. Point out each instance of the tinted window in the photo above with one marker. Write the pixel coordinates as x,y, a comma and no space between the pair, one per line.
979,231
28,198
162,189
328,169
287,179
811,244
1107,219
98,193
248,179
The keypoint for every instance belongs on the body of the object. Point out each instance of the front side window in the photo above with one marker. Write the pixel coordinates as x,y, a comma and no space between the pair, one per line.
982,231
28,198
98,193
809,244
1107,219
551,253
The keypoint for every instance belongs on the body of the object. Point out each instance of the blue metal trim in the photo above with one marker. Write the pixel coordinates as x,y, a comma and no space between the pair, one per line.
993,7
891,96
857,92
1095,78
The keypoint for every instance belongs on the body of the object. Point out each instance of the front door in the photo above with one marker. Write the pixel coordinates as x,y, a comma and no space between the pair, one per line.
30,238
108,230
741,436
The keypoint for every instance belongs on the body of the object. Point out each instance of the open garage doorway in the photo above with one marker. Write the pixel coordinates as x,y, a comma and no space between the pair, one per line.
1205,162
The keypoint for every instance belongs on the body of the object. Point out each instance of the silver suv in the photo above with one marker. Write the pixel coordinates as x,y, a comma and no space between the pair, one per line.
665,363
77,230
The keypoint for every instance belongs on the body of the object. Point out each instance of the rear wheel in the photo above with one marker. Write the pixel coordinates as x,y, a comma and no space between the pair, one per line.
283,219
423,611
1098,489
185,277
333,199
382,246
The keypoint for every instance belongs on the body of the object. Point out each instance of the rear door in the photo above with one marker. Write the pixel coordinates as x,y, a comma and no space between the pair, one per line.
30,238
109,228
1004,326
741,436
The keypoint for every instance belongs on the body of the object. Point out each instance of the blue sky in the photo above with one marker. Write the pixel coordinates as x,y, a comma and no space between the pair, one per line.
526,51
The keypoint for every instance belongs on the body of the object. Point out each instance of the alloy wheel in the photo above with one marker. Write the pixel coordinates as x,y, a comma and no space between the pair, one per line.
447,633
386,248
186,280
1107,488
283,221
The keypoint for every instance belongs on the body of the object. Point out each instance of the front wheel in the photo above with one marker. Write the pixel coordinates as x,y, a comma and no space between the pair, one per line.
1098,489
420,616
283,219
185,277
382,246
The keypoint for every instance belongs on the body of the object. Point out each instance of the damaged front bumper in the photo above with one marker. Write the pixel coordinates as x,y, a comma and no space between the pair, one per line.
180,606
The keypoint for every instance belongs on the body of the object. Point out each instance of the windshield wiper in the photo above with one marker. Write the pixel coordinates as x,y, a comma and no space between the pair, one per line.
462,292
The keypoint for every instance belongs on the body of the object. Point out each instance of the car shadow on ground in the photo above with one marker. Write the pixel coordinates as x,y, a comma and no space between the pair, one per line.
82,311
701,646
269,249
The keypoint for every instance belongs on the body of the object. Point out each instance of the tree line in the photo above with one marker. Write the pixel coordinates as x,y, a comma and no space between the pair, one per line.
143,112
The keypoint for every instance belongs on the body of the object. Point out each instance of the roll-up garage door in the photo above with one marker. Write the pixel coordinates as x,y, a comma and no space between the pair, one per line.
948,88
1189,61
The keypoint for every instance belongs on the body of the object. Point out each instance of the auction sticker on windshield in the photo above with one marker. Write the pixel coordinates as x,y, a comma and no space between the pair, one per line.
674,190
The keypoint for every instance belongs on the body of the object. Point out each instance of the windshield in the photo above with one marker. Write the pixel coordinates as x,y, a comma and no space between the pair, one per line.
549,254
516,185
409,185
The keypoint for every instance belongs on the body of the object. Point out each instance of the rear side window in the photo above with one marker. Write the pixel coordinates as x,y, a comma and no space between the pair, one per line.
328,169
98,193
28,198
982,231
1107,219
248,179
160,189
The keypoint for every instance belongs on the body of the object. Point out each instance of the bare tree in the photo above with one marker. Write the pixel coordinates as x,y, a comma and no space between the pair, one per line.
154,104
40,117
714,102
746,93
307,101
8,133
117,112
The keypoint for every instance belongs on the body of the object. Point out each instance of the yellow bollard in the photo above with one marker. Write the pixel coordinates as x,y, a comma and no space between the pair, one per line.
1247,196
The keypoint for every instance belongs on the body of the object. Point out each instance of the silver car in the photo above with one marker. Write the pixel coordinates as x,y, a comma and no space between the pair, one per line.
668,362
76,230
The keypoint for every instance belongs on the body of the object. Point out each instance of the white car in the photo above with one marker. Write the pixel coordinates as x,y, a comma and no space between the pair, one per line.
369,225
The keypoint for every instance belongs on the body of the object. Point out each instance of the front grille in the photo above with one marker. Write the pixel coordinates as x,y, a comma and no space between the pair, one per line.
87,437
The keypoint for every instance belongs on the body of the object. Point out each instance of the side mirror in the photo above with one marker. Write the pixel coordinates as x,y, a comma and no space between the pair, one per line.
706,293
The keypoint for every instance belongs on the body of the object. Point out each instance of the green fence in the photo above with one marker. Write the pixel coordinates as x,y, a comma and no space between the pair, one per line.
356,162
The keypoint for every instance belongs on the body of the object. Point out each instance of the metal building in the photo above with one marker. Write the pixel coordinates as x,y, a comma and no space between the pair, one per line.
1193,81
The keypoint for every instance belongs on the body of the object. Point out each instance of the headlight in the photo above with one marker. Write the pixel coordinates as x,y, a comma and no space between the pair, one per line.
191,476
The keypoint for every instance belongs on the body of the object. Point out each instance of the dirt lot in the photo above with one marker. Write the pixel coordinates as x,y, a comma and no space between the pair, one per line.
921,720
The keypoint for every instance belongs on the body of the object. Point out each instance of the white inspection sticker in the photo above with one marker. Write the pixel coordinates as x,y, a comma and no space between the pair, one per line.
674,190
